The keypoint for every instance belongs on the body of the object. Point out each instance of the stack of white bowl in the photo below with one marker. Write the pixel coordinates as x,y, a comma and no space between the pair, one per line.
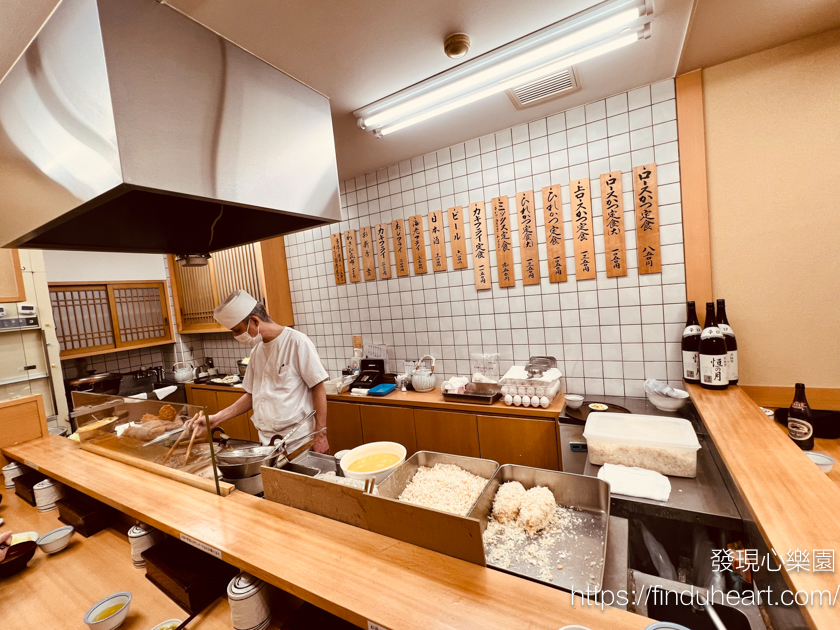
250,602
47,492
143,537
11,471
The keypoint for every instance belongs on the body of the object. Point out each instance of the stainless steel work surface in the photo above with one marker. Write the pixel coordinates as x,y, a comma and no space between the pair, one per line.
575,556
311,459
393,485
703,499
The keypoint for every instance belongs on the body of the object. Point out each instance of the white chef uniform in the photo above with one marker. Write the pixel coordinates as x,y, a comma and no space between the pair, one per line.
279,377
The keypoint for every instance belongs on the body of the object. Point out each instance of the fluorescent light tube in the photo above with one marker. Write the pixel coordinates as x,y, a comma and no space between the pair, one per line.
559,43
501,86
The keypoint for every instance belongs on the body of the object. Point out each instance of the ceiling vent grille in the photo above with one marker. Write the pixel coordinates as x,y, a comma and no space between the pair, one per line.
544,89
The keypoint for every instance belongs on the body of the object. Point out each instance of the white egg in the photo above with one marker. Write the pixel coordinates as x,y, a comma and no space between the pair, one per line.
517,400
508,399
544,402
535,401
526,401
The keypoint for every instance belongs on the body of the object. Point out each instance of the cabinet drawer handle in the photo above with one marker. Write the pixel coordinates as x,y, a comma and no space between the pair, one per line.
27,367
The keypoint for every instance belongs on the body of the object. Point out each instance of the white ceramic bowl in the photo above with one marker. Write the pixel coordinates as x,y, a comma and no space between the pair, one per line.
823,461
56,540
667,403
112,621
168,624
573,401
357,453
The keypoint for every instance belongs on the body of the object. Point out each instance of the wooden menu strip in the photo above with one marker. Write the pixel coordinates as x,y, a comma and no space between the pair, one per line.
647,218
582,235
613,211
457,238
554,238
366,235
338,258
438,241
481,251
504,245
528,251
352,256
164,471
381,237
418,243
400,247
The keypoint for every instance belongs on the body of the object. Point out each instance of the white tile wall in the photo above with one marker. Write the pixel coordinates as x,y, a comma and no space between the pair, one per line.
608,334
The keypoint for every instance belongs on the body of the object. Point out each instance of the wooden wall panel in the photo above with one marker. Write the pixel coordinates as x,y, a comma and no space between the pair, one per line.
583,235
528,251
457,238
554,236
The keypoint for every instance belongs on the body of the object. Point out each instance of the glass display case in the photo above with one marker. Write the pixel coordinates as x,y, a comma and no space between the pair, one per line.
148,434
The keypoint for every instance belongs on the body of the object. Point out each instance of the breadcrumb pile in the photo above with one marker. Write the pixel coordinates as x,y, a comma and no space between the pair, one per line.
444,487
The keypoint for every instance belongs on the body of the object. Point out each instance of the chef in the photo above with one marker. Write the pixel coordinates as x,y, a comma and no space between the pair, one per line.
284,380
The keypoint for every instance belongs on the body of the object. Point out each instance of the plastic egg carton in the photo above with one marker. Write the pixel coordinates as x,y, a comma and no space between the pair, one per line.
532,395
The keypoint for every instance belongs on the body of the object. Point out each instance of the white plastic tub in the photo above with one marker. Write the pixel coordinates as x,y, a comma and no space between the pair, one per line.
392,448
666,445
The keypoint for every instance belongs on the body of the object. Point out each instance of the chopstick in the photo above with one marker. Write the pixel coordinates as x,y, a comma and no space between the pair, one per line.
177,442
192,439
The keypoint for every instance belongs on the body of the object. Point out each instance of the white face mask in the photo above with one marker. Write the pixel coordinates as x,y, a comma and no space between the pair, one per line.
246,339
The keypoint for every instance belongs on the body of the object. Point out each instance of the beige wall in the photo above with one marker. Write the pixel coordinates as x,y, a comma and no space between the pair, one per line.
773,153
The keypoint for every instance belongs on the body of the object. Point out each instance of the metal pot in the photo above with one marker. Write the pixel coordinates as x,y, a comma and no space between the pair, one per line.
183,372
423,378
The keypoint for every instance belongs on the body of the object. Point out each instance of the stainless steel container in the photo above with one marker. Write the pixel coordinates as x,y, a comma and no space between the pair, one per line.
588,497
394,484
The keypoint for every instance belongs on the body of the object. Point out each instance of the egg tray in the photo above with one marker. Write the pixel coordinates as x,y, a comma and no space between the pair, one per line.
475,398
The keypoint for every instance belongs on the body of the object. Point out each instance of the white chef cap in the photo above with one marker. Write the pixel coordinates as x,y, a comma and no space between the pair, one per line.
234,309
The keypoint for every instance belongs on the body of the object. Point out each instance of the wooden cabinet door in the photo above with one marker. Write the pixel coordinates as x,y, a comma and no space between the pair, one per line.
389,424
236,427
11,277
203,398
446,432
344,426
523,441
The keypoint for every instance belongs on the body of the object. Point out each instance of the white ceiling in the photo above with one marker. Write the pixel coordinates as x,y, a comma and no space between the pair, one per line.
357,52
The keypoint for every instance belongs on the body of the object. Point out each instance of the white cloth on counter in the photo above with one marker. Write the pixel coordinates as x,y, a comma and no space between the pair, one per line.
454,384
652,386
163,392
140,396
636,482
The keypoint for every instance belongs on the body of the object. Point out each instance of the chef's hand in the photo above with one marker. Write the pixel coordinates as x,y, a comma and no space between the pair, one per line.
321,445
198,425
5,543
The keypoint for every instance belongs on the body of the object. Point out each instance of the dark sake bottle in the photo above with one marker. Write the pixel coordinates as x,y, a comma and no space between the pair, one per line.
712,353
731,343
691,346
800,429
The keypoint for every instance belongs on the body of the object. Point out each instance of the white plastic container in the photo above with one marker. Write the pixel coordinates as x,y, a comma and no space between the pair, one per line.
392,448
666,445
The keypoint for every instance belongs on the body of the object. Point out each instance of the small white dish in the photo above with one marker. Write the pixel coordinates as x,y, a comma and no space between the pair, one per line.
114,620
169,624
573,401
56,540
824,462
668,403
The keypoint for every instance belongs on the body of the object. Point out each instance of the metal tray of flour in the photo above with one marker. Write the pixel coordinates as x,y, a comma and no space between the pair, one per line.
582,553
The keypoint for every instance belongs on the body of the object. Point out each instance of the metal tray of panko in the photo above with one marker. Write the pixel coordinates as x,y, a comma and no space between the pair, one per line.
570,551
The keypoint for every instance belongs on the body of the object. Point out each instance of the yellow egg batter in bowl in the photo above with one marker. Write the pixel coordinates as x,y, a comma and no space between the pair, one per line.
377,459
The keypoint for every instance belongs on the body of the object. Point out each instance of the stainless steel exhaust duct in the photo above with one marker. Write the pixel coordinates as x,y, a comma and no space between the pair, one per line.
126,126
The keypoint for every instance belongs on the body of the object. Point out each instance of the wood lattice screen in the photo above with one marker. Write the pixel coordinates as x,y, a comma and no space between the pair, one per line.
94,319
198,290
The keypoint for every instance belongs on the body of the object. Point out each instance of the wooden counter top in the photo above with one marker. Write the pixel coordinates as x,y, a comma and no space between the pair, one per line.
434,400
353,573
794,504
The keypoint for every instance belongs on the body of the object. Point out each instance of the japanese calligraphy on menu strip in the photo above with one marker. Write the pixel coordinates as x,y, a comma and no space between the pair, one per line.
381,238
613,210
366,234
646,197
582,236
418,243
400,247
457,238
554,239
436,235
338,258
504,246
528,238
481,251
352,256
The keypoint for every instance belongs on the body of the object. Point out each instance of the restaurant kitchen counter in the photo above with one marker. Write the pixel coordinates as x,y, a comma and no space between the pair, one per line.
350,572
793,504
